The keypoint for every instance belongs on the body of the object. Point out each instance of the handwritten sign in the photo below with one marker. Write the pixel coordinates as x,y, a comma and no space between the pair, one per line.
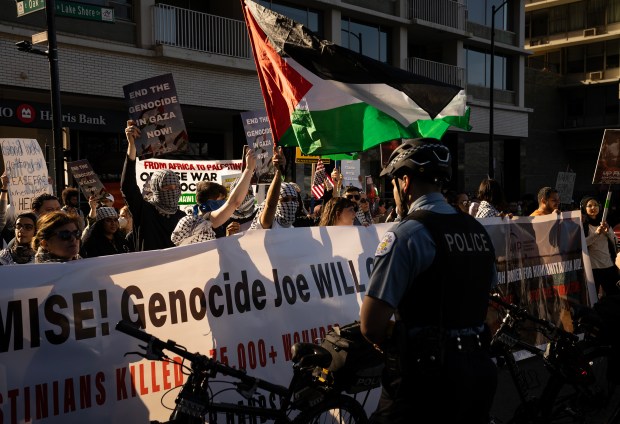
25,166
259,138
155,107
87,179
351,173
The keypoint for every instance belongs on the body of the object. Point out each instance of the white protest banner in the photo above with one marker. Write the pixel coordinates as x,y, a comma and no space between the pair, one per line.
243,299
543,265
25,166
240,299
156,110
190,172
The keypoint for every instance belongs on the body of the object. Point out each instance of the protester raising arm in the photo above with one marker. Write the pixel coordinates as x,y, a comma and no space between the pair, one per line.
268,214
221,215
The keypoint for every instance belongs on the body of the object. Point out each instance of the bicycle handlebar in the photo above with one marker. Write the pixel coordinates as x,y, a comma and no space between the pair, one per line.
521,313
156,346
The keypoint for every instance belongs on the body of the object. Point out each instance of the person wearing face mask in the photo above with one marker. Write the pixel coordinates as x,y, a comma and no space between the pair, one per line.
105,238
21,252
210,211
242,217
279,208
155,215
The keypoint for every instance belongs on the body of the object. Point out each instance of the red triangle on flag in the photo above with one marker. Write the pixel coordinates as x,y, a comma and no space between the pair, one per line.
282,86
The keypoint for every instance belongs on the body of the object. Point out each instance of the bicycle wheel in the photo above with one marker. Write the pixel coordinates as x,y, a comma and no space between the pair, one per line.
593,402
340,409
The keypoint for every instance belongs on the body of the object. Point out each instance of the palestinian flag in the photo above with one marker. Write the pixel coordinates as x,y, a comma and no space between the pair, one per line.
327,99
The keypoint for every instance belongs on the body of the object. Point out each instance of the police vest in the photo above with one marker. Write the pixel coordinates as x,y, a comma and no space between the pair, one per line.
453,292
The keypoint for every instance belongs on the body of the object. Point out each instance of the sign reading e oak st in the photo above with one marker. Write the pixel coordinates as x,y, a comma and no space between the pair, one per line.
28,6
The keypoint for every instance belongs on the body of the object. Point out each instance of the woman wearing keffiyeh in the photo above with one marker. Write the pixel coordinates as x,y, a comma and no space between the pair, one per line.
157,213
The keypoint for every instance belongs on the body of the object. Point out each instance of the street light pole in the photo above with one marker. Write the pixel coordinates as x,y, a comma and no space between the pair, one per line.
494,10
59,168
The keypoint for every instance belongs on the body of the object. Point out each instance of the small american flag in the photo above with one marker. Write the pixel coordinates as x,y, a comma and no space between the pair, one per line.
320,176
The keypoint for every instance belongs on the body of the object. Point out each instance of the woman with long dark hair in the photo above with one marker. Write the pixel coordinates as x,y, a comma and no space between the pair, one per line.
601,242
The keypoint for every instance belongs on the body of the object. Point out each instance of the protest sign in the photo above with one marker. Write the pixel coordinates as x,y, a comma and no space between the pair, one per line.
259,138
543,265
87,180
607,169
190,172
565,184
350,170
156,110
26,169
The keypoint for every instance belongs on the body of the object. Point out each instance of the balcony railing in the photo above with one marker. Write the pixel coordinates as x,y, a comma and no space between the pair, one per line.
187,29
442,12
438,71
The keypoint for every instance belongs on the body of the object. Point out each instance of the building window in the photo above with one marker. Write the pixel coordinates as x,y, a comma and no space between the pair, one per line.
310,18
575,60
479,11
369,40
479,70
612,48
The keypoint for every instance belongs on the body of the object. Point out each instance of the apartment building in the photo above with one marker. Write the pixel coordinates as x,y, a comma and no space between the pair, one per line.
572,83
205,46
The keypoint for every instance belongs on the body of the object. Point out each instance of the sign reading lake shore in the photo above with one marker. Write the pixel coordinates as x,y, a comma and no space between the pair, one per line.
25,166
87,179
156,110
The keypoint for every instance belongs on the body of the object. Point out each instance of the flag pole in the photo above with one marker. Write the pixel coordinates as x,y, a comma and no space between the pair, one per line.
607,203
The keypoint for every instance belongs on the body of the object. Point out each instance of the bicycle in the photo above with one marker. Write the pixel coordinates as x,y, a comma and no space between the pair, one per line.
579,388
311,393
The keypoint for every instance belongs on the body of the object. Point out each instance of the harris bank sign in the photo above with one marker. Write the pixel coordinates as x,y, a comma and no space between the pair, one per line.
38,115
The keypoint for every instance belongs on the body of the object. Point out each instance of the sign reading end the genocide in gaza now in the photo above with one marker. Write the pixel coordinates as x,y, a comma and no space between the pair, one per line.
89,182
156,110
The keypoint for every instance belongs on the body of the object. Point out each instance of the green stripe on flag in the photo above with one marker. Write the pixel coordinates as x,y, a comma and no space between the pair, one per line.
356,128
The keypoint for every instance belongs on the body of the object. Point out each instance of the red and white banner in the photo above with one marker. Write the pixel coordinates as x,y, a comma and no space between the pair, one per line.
243,299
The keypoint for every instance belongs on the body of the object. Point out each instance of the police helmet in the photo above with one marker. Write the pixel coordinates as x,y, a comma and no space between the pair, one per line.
426,158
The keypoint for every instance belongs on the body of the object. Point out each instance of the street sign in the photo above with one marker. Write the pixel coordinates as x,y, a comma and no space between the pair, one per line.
301,158
28,6
39,37
84,11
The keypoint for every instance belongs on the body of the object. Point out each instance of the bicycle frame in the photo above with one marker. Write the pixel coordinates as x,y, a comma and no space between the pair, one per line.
307,387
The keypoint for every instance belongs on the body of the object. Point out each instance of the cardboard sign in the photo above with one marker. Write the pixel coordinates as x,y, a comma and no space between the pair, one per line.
87,180
155,107
351,173
259,138
25,166
608,164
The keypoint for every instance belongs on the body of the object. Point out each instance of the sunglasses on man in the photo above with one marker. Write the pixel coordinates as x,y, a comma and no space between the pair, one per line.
353,196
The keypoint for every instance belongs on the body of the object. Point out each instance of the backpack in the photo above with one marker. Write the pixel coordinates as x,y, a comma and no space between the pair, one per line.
356,365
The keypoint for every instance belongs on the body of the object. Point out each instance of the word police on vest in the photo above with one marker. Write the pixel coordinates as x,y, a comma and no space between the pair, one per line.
467,242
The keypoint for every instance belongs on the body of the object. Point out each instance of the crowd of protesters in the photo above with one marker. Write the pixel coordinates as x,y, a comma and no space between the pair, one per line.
151,219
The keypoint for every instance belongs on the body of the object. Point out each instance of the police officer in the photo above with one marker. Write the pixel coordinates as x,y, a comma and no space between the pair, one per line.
433,272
